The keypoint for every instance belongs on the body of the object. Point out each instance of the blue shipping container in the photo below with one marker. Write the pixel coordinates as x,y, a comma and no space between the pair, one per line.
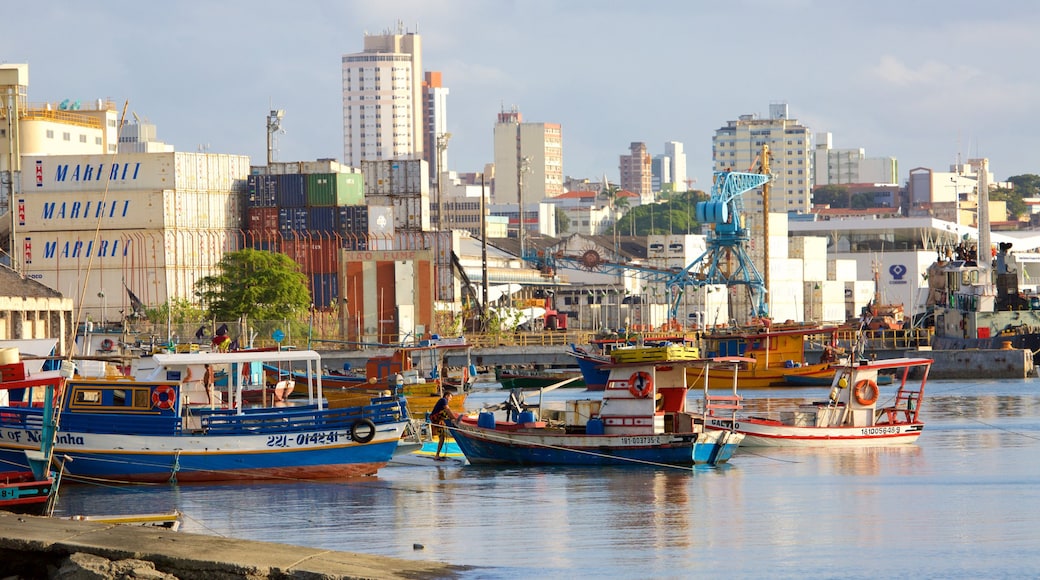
263,190
322,219
353,219
291,191
324,290
292,219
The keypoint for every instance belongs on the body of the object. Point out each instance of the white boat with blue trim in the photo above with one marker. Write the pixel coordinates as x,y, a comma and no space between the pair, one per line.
154,430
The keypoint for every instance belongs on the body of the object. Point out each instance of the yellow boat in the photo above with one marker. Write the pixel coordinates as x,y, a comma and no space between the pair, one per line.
777,352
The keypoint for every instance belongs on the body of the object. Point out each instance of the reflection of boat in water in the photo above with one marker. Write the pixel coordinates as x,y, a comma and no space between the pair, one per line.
850,417
157,430
642,419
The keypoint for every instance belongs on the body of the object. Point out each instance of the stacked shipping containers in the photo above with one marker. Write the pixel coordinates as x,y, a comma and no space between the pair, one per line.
154,223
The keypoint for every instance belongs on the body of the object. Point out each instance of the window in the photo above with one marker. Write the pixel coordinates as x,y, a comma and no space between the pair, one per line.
82,138
50,133
66,136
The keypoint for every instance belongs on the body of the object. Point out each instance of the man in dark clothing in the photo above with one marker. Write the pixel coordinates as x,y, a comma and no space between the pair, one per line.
441,417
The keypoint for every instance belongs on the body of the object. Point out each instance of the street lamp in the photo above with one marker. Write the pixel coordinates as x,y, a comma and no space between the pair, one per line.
274,124
442,147
104,307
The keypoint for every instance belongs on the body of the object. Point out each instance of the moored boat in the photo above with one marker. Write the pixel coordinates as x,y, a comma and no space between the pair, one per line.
850,417
778,352
156,430
521,378
642,419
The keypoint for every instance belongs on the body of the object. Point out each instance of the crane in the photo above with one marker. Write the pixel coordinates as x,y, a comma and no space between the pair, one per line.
724,262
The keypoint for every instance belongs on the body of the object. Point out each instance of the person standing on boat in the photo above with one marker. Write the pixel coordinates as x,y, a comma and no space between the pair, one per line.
441,417
208,379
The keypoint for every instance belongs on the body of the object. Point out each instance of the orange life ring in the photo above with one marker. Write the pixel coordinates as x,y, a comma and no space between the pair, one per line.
866,392
107,344
640,384
163,397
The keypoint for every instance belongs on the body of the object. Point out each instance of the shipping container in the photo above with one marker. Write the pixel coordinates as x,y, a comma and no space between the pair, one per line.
352,219
263,219
323,256
325,290
292,220
334,189
131,172
411,213
89,211
299,251
322,220
303,167
396,177
263,191
381,221
355,242
291,190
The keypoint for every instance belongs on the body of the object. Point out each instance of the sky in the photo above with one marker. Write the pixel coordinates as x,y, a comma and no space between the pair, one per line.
928,82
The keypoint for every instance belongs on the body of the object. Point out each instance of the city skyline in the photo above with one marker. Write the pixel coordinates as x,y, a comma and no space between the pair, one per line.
928,83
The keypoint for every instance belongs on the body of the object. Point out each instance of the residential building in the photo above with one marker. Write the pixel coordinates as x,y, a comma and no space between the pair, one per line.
435,124
673,150
738,145
636,174
841,166
661,173
527,156
382,99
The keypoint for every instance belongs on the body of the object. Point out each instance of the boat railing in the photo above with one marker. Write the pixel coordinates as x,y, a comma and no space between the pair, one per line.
903,339
297,419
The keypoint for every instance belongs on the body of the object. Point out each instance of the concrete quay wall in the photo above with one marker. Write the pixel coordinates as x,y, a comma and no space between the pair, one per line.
949,364
33,547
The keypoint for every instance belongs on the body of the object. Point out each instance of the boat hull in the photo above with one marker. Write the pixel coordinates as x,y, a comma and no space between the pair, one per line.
539,446
764,433
314,454
22,493
758,378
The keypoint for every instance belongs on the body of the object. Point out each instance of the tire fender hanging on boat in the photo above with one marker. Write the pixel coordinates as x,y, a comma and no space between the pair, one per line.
363,431
866,392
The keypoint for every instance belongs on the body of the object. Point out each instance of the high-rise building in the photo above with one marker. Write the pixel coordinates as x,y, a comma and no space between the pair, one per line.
382,99
673,150
838,166
661,173
533,151
636,174
435,124
738,145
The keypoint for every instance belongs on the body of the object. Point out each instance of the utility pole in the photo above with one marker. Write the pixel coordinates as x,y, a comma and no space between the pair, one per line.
483,259
442,146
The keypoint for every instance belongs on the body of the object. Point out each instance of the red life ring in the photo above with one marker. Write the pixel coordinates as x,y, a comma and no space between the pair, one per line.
163,397
107,344
640,384
866,392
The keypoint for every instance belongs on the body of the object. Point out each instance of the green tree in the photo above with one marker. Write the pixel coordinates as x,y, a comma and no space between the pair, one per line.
563,223
1016,206
832,195
255,284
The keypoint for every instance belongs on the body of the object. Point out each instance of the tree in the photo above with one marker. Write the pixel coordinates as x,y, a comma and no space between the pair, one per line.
832,195
563,223
1016,207
256,284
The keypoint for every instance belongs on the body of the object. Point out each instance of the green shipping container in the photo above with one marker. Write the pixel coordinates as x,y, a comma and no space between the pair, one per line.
335,189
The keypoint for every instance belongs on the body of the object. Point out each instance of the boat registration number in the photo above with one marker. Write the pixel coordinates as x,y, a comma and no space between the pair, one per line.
303,439
639,441
880,430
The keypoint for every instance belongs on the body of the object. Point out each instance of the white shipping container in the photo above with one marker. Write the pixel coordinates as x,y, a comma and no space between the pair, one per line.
89,211
802,247
410,213
396,177
787,300
100,294
133,172
841,270
857,295
786,270
303,168
814,267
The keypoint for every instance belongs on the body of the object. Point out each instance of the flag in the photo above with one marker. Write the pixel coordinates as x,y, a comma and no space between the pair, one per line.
135,303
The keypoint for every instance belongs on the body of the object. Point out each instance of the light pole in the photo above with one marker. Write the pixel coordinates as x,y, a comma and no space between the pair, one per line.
104,307
525,167
274,124
442,147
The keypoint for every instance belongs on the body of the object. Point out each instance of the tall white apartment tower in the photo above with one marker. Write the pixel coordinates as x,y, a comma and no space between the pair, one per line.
737,146
674,151
382,99
527,154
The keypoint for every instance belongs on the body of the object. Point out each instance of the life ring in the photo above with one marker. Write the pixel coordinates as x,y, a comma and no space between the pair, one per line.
866,392
163,397
640,384
363,431
107,344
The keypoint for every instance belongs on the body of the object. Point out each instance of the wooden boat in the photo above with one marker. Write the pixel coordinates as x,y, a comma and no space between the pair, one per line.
157,430
778,352
850,417
521,378
32,490
642,419
592,361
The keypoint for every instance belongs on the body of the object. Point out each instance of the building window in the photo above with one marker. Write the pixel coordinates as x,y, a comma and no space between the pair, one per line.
66,136
50,133
82,138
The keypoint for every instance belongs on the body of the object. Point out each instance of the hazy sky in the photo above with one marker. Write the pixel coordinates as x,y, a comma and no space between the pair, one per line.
927,82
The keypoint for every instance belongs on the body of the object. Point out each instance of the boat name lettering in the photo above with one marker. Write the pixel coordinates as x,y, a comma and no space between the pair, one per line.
639,440
303,439
34,437
91,210
13,435
723,423
880,430
88,172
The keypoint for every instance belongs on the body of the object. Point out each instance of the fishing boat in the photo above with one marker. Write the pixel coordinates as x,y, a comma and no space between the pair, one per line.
850,417
592,360
826,380
32,490
161,428
524,378
778,352
642,419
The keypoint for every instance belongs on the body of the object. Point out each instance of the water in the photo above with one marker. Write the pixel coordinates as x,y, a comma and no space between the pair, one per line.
961,502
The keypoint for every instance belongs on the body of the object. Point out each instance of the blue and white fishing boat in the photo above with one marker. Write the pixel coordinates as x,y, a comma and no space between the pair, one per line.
642,418
159,428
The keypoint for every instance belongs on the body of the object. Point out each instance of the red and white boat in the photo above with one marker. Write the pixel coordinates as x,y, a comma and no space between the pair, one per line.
852,415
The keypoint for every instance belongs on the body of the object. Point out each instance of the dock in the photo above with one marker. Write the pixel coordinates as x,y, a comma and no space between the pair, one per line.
31,544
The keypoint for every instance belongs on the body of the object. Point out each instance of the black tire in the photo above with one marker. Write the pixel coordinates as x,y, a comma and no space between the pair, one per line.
363,431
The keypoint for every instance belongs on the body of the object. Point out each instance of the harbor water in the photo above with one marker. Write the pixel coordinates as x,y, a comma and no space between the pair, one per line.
961,502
